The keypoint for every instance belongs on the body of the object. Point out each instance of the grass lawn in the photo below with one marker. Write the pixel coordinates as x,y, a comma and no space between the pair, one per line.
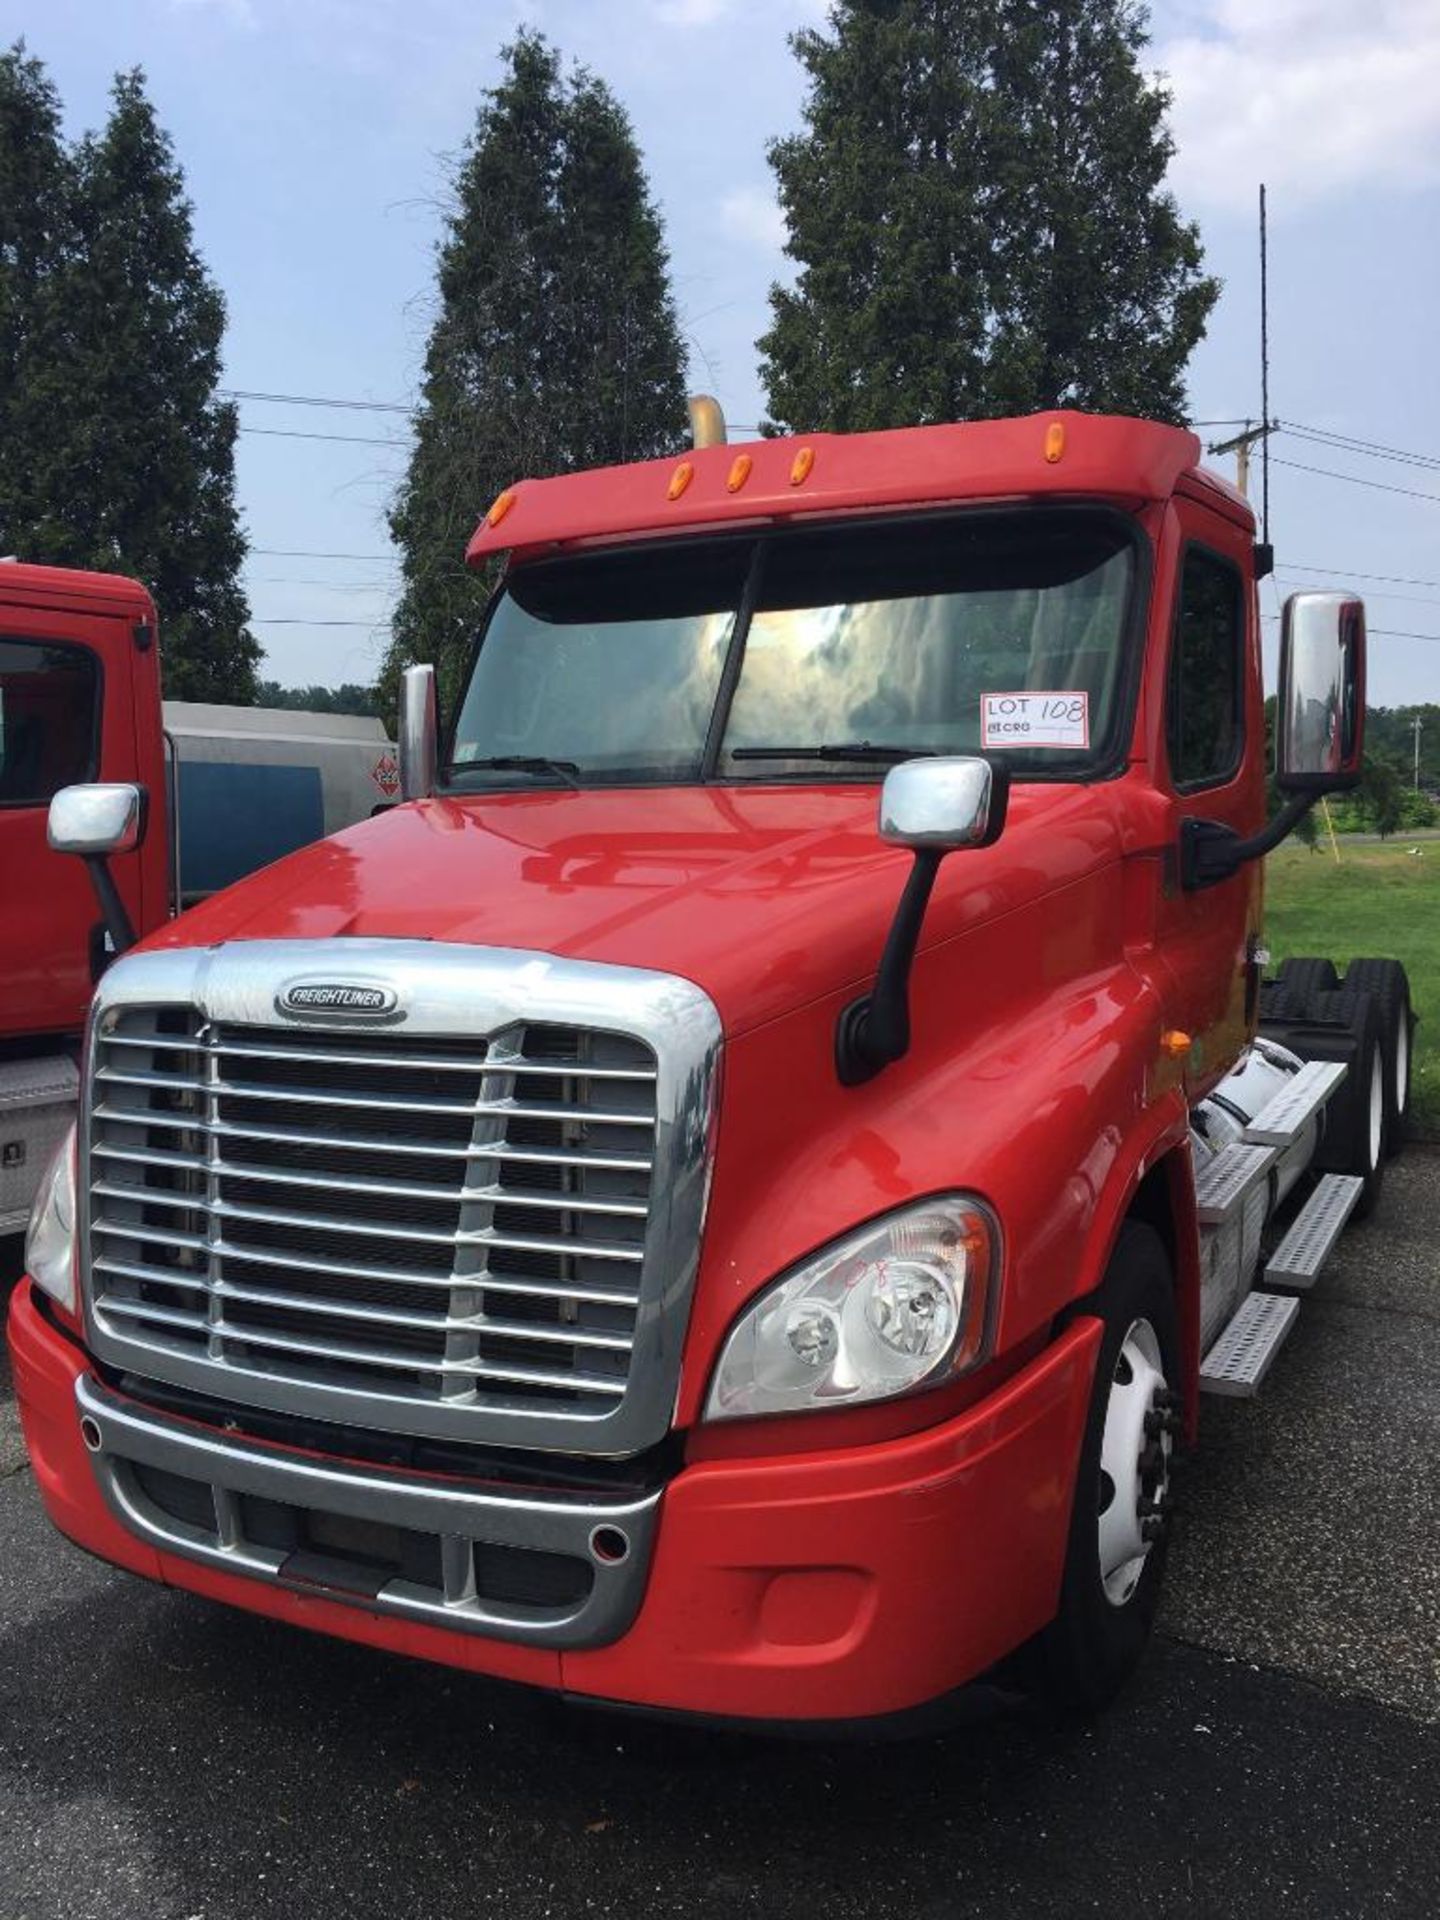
1380,899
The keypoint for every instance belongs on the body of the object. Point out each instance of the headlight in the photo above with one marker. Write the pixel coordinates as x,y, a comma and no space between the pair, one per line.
900,1304
50,1237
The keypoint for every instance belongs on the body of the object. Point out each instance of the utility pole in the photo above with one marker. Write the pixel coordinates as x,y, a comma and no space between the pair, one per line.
1240,446
1417,723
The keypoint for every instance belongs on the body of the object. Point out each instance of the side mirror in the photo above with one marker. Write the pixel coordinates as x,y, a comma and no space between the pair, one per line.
934,807
943,804
418,733
1320,710
95,819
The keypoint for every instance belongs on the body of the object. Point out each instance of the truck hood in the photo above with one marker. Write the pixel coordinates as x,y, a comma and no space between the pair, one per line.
767,897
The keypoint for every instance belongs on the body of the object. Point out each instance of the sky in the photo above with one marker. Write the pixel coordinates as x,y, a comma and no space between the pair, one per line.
317,138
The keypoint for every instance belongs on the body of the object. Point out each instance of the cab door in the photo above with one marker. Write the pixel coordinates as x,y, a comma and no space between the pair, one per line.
65,716
1214,748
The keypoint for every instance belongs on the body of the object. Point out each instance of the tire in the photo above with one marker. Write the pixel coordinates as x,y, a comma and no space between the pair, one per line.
1280,1004
1108,1595
1390,985
1357,1118
1306,976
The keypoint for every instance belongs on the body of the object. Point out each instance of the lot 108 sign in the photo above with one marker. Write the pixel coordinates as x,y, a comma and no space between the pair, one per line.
1060,719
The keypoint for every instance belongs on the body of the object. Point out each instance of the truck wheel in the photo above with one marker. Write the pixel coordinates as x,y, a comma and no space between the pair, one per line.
1390,985
1280,1004
1357,1120
1307,976
1119,1522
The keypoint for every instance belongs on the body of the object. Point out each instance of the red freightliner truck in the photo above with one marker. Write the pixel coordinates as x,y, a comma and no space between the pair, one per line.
623,1223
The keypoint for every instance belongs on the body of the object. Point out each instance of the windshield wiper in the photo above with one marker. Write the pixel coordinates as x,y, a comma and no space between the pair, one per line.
845,750
565,770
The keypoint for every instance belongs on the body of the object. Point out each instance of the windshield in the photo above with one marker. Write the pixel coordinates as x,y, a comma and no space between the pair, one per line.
744,658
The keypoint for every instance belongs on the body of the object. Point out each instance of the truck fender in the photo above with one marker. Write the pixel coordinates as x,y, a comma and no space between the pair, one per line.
1153,1180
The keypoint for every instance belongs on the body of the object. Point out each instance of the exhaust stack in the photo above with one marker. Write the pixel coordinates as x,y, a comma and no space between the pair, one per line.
707,422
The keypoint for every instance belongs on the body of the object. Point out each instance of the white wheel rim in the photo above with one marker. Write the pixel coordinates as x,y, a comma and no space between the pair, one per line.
1138,1378
1402,1058
1377,1109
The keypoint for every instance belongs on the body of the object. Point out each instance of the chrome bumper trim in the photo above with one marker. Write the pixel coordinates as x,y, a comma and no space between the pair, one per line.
120,1436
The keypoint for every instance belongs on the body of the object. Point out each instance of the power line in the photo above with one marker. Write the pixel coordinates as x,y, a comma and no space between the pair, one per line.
315,400
285,620
1388,633
1410,599
1351,573
305,553
1353,444
1356,480
343,439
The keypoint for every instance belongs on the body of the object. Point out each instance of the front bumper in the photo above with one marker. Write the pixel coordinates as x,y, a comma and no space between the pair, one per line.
834,1585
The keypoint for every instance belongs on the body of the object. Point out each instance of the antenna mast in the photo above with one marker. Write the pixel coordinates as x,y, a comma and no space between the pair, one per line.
1241,443
1264,379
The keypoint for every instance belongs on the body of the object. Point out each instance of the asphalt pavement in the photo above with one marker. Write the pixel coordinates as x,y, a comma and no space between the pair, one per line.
1279,1754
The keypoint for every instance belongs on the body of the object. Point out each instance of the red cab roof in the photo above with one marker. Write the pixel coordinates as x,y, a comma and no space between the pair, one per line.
72,586
1062,453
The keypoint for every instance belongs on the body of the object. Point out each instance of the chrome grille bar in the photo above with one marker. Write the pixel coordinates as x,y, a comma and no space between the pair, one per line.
348,1143
437,1063
391,1189
387,1103
497,1282
365,1355
322,1222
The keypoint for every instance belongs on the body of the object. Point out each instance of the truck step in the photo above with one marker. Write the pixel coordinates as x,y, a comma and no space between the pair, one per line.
1296,1104
1297,1261
1241,1357
1223,1180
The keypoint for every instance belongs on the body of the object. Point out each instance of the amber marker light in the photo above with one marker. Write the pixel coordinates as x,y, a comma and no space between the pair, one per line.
739,472
1054,441
800,466
503,504
679,480
1175,1043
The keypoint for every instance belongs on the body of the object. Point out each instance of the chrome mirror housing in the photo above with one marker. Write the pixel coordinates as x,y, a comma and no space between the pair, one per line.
934,807
98,818
1320,710
942,804
418,733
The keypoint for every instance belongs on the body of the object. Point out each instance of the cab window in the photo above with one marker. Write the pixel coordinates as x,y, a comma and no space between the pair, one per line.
49,709
1204,719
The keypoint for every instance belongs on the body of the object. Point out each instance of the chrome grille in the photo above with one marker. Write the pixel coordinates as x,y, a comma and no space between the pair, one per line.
453,1221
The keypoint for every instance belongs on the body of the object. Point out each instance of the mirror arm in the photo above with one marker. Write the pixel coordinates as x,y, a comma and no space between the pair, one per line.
118,924
1210,852
874,1030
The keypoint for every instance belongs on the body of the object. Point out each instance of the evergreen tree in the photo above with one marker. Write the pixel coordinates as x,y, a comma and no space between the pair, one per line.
130,455
34,188
555,344
348,697
978,211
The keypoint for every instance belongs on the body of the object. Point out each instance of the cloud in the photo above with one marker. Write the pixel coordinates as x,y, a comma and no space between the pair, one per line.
690,13
752,214
1315,97
240,13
